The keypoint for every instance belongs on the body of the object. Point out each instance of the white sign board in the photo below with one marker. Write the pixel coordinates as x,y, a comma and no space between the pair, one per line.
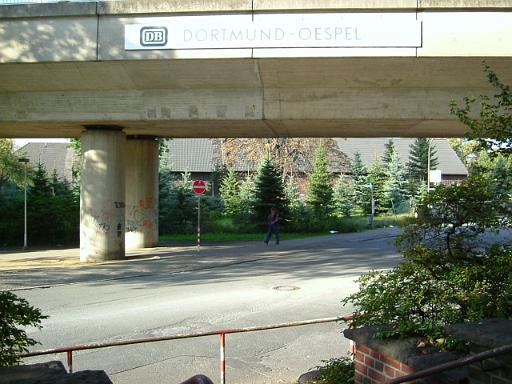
273,31
435,176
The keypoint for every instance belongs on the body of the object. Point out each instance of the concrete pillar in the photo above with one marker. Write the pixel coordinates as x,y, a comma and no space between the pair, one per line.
102,194
141,192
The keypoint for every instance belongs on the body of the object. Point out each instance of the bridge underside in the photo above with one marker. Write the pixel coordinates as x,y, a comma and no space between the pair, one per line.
301,97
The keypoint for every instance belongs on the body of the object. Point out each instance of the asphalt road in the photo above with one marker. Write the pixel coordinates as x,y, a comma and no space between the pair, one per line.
225,286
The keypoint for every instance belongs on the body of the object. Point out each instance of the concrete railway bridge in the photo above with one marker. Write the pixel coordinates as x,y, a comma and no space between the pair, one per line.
119,74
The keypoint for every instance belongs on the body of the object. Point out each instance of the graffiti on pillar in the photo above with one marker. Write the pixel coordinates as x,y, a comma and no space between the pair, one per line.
119,204
104,227
98,221
141,216
147,203
102,220
119,230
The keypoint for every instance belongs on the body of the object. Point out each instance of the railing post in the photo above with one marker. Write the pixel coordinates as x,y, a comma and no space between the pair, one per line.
352,344
70,361
222,358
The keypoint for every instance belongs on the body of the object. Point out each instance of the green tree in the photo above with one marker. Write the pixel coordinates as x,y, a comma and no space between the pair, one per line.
320,190
343,197
497,169
466,150
377,177
230,193
449,275
247,202
177,204
492,129
17,314
451,222
76,145
11,170
53,217
396,184
389,148
299,214
359,175
269,192
418,158
292,193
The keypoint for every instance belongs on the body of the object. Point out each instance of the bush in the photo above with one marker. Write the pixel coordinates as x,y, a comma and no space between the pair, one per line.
53,213
14,341
337,371
11,223
409,300
450,275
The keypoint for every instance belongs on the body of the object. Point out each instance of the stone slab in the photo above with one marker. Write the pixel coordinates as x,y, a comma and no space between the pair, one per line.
489,333
52,372
31,373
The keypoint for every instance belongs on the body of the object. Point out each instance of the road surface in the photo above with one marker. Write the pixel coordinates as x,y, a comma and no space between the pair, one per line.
176,290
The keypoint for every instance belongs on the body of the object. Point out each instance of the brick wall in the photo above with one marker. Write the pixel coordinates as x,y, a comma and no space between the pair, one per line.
373,367
497,370
482,336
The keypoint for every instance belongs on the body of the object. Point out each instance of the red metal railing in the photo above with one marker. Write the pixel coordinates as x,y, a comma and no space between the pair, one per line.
222,333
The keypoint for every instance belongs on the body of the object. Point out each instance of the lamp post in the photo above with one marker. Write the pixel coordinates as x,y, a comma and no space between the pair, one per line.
428,165
25,161
370,185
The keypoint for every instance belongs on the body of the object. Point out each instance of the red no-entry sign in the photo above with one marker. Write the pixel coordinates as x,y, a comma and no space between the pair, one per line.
199,187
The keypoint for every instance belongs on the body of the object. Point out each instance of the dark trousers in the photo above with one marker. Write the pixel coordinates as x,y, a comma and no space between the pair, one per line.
272,229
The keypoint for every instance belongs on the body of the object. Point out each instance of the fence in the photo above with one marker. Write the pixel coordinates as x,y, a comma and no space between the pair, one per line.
222,333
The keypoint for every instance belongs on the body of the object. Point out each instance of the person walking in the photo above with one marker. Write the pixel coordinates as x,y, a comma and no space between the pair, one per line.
273,227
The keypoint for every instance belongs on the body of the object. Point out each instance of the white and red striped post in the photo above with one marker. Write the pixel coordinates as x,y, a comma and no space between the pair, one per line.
222,358
70,361
198,223
199,187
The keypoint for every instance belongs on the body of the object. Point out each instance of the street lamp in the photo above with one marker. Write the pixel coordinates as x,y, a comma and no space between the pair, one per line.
25,161
428,165
370,185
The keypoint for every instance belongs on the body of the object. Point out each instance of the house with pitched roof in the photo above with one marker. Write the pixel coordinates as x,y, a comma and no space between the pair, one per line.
200,157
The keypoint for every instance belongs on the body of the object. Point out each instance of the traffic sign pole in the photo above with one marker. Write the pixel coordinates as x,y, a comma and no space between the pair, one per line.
198,223
199,187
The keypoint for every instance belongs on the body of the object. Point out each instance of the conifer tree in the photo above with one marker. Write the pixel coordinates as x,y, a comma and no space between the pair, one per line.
53,217
293,194
377,177
177,203
247,200
396,183
269,192
230,193
418,159
389,148
320,189
343,197
297,208
359,175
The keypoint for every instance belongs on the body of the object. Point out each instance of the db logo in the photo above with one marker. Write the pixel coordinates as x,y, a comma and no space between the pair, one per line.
153,36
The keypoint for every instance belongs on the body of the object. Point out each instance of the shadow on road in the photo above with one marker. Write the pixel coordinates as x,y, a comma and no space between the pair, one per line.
326,256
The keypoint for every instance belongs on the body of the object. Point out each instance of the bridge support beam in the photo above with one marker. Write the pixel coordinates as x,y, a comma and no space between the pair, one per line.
102,194
141,192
